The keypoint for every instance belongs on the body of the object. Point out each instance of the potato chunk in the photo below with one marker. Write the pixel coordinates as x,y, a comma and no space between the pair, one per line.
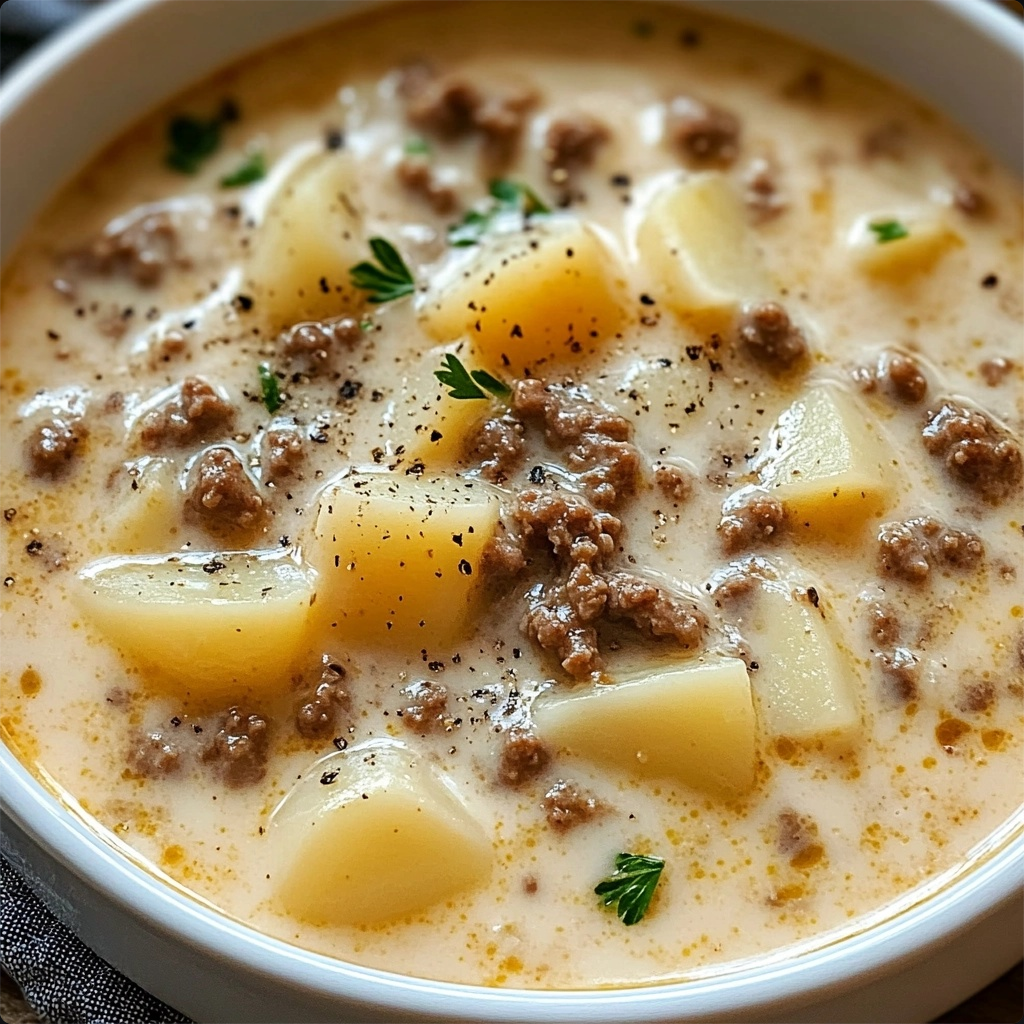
526,297
399,556
433,427
311,236
374,833
693,724
695,244
899,246
803,688
146,517
826,460
210,625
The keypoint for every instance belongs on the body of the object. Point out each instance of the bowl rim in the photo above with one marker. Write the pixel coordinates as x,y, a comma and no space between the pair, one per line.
770,981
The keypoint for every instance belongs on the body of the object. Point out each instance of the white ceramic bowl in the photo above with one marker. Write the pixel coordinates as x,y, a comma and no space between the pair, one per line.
915,960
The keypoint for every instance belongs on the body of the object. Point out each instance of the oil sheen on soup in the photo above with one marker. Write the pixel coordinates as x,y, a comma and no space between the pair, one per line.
522,506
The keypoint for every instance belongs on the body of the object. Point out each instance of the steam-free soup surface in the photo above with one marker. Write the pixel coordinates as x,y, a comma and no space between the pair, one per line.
705,550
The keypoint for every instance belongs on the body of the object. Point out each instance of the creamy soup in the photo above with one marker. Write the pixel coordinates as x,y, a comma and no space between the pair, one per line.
525,494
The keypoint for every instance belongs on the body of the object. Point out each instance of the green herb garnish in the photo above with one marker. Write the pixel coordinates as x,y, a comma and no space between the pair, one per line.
510,197
253,169
416,146
888,230
632,885
270,388
463,383
391,280
191,141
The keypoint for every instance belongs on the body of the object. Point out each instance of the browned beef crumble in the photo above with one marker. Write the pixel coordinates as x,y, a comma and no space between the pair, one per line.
566,805
143,250
968,200
887,140
975,451
312,344
427,707
221,496
523,757
908,550
674,482
760,519
900,673
797,839
153,756
554,624
976,696
283,454
239,749
52,446
655,612
884,626
761,189
572,141
317,716
570,525
599,451
995,370
903,378
769,335
197,413
498,447
502,557
705,134
416,173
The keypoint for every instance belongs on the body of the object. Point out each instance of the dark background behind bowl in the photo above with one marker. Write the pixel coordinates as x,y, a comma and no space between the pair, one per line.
22,24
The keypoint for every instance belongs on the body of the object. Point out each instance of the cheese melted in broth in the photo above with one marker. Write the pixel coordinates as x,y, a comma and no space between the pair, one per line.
730,578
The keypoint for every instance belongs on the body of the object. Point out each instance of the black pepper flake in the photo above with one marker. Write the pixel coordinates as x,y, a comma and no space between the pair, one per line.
175,721
621,180
457,539
324,286
465,568
754,666
989,281
694,352
9,514
229,111
646,300
34,547
537,475
436,435
328,777
243,302
376,396
53,335
340,742
334,139
517,331
689,38
197,729
213,566
350,388
812,596
8,581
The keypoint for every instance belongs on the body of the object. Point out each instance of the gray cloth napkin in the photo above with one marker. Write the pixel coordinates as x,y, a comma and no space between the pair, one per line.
62,979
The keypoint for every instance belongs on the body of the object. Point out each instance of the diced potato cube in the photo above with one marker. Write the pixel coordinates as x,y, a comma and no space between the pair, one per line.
431,426
146,517
523,298
803,688
311,236
399,556
826,460
208,625
372,834
900,246
693,724
695,243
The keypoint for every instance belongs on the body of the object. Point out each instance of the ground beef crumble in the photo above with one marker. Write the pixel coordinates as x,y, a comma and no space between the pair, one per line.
523,756
910,549
142,249
760,519
427,707
771,337
283,454
239,749
566,806
674,482
153,756
904,379
53,444
572,141
221,496
313,343
317,716
975,451
705,134
416,173
197,413
498,447
761,189
575,531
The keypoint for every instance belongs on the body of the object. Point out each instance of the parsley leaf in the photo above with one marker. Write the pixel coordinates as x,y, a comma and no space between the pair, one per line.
191,141
888,230
416,146
253,169
632,885
509,197
270,388
391,280
463,383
